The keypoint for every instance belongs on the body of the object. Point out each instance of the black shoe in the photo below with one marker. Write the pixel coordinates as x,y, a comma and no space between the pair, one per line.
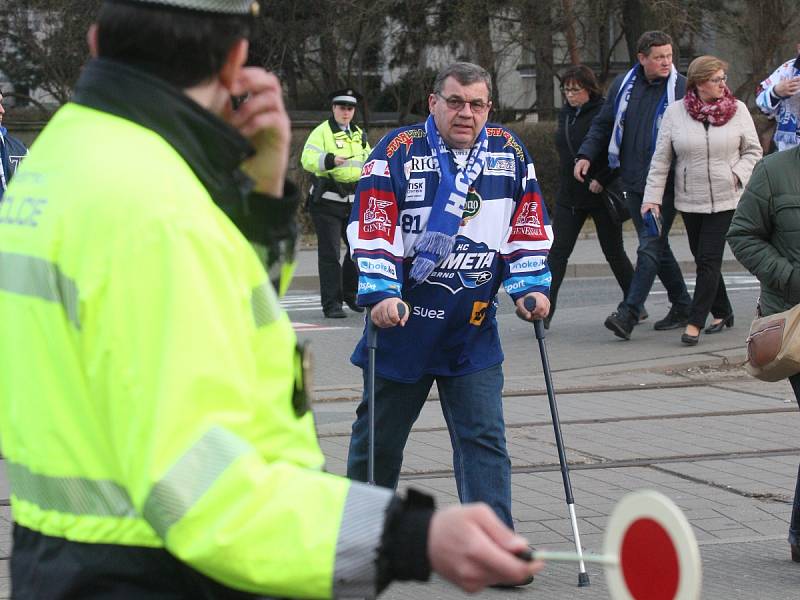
621,323
676,317
505,586
795,552
717,327
334,313
351,304
690,340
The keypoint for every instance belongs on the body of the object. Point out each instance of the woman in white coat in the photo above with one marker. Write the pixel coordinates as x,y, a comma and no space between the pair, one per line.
714,142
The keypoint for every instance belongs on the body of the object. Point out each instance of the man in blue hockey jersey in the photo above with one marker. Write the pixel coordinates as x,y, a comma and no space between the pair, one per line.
445,213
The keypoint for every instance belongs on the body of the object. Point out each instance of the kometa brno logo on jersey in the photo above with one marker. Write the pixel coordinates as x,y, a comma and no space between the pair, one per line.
469,265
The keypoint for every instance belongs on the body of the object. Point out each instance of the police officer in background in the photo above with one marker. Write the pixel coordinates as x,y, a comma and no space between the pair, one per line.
334,154
154,424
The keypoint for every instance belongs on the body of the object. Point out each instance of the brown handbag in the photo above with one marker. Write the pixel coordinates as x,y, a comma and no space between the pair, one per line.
773,346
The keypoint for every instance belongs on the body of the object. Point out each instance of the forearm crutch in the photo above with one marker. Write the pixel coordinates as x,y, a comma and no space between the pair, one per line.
372,346
538,327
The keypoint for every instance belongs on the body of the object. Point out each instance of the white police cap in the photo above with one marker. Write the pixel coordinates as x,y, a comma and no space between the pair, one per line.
228,7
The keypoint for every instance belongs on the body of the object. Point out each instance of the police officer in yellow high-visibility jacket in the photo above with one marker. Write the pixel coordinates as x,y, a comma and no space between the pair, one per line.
334,154
153,416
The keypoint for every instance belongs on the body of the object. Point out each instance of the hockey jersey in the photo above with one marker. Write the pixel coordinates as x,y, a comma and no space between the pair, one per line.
504,238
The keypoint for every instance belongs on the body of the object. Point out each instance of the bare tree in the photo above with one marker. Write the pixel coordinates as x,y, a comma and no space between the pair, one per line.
45,43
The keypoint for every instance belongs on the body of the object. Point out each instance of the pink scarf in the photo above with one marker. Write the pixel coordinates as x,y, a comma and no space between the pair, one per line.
716,113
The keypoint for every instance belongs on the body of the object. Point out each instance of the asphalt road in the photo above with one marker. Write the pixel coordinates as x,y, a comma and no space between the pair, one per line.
577,338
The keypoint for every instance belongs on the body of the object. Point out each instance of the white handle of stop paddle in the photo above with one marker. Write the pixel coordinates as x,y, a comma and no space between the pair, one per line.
551,555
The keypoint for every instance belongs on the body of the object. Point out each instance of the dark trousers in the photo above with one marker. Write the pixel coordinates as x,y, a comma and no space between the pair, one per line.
654,258
706,233
794,524
472,406
567,224
337,281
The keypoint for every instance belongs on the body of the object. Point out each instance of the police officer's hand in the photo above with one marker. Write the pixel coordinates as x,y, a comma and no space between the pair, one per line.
470,547
385,314
262,118
540,312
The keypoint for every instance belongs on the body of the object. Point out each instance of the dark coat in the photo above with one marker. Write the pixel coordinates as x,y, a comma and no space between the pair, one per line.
575,122
765,232
638,141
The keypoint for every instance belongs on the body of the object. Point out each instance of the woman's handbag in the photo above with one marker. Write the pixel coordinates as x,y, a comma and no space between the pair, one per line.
616,205
773,346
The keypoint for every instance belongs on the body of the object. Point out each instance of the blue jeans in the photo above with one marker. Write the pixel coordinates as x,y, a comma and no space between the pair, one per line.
654,257
794,524
472,406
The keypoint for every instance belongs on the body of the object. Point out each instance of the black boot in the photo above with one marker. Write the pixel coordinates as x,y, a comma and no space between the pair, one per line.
621,323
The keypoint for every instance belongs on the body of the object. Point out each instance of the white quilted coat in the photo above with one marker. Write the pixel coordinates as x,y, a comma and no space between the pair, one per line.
706,160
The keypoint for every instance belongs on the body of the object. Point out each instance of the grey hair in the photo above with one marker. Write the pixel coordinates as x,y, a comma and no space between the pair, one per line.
464,73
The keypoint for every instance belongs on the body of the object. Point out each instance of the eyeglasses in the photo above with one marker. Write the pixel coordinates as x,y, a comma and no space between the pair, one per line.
572,90
717,80
455,103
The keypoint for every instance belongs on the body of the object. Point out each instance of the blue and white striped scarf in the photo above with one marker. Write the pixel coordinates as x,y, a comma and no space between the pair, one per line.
787,118
621,107
436,242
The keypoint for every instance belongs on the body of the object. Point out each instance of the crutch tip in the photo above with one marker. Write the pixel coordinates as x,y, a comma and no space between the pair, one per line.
583,580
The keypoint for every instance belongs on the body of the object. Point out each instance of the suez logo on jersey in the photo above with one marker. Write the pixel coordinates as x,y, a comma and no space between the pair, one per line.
428,313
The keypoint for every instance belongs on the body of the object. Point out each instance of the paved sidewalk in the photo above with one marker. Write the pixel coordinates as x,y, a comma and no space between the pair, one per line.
721,445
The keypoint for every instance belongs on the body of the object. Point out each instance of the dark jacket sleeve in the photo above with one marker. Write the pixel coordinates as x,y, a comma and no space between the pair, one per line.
596,141
750,238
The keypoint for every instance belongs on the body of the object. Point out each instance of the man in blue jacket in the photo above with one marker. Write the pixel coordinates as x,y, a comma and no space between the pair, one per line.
446,212
11,152
628,126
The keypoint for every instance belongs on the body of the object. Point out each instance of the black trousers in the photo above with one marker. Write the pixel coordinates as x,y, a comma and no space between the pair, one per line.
337,281
706,233
567,224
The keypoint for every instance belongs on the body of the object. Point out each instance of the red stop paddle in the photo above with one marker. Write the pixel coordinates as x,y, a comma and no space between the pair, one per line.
649,551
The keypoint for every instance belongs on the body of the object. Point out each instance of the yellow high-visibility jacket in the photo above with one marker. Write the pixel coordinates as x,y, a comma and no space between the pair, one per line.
328,140
149,372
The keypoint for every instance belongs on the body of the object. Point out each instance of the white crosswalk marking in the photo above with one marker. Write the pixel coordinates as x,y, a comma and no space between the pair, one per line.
295,302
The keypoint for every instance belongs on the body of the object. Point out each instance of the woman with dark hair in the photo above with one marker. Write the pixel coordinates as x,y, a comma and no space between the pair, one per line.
576,201
711,139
